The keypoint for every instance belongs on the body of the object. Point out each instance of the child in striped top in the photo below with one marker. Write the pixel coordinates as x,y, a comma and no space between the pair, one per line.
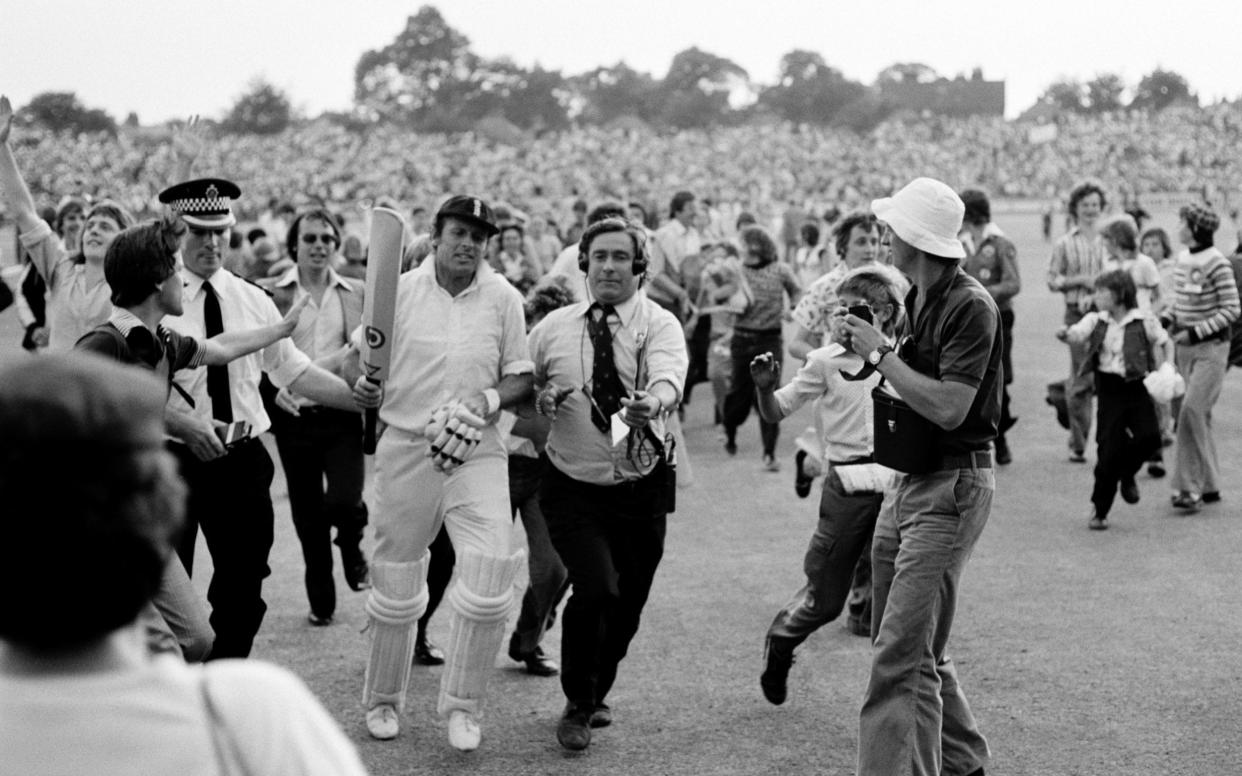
1205,304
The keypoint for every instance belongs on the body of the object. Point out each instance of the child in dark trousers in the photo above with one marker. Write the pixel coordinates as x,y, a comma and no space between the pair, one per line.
1124,345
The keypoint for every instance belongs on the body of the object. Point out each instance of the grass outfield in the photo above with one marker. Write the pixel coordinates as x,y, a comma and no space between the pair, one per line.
1082,652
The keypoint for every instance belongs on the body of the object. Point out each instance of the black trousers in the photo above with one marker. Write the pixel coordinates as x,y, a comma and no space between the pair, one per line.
230,500
323,444
1007,321
745,346
611,540
439,574
1127,434
697,345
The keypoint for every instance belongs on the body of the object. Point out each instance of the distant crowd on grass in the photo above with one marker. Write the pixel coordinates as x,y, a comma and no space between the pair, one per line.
756,168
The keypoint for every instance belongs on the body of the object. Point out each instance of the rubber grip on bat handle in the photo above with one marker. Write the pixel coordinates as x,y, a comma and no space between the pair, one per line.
370,422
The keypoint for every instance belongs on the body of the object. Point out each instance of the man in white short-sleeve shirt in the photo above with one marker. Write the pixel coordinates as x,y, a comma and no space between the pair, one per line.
459,353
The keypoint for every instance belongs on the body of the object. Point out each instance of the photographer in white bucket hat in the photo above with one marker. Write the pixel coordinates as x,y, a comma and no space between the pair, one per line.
915,719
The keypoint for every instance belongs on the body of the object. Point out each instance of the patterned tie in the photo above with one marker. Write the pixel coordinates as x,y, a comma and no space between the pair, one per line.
217,376
606,387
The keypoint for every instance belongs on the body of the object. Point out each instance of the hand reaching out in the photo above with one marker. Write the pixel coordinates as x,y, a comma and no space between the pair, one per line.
6,118
290,321
763,372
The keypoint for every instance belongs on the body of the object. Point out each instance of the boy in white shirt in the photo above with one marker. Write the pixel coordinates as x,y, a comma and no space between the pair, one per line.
854,483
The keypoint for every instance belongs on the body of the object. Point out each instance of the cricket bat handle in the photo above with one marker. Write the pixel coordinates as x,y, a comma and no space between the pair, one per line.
370,423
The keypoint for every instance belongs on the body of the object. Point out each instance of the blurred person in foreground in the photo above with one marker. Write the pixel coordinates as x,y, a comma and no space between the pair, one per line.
915,718
1077,257
606,492
88,671
992,259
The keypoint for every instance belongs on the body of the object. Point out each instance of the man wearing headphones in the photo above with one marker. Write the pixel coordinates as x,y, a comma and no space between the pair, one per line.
459,355
609,371
317,442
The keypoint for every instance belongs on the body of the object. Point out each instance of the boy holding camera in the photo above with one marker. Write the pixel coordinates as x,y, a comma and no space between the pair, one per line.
854,483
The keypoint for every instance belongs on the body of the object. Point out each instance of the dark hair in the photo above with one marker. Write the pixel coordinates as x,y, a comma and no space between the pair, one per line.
1160,235
872,284
417,209
1121,284
142,257
113,529
295,229
758,238
1203,237
512,226
731,250
809,233
1122,232
845,227
255,234
606,210
548,296
68,207
1083,190
678,203
634,204
636,232
978,208
744,219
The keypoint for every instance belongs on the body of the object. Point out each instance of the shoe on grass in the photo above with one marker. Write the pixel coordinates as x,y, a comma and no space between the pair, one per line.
382,722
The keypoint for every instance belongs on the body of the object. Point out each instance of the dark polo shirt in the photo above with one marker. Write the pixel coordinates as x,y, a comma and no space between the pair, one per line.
957,338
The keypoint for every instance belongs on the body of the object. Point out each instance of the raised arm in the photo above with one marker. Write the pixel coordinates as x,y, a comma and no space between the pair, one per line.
230,345
187,143
15,191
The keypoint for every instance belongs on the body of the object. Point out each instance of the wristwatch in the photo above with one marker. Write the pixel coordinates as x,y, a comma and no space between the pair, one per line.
876,356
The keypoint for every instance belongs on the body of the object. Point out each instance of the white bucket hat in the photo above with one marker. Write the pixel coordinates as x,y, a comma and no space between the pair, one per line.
927,214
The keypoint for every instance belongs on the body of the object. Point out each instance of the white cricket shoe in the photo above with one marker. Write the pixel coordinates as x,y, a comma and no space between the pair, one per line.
463,731
383,722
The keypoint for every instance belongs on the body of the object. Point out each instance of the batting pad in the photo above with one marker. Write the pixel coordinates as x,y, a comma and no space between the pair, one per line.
481,600
397,599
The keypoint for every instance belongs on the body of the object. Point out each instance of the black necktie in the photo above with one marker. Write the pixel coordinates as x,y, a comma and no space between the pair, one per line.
606,387
217,376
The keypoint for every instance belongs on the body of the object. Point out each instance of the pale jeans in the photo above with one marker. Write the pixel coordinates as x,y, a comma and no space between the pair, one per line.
915,718
1202,366
1079,389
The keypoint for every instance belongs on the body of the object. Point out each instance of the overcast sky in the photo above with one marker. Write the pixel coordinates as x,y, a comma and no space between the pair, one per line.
166,59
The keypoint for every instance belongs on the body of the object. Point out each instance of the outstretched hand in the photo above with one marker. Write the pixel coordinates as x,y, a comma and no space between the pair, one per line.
290,321
763,372
188,140
6,118
550,398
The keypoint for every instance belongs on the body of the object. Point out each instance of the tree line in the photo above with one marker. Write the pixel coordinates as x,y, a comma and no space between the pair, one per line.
429,79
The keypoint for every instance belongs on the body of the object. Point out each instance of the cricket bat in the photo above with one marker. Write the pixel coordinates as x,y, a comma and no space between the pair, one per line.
380,306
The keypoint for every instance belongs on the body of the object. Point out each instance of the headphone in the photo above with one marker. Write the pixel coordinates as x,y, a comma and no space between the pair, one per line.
636,233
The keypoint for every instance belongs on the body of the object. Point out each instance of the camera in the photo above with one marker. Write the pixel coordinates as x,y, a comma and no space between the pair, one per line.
233,433
860,311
